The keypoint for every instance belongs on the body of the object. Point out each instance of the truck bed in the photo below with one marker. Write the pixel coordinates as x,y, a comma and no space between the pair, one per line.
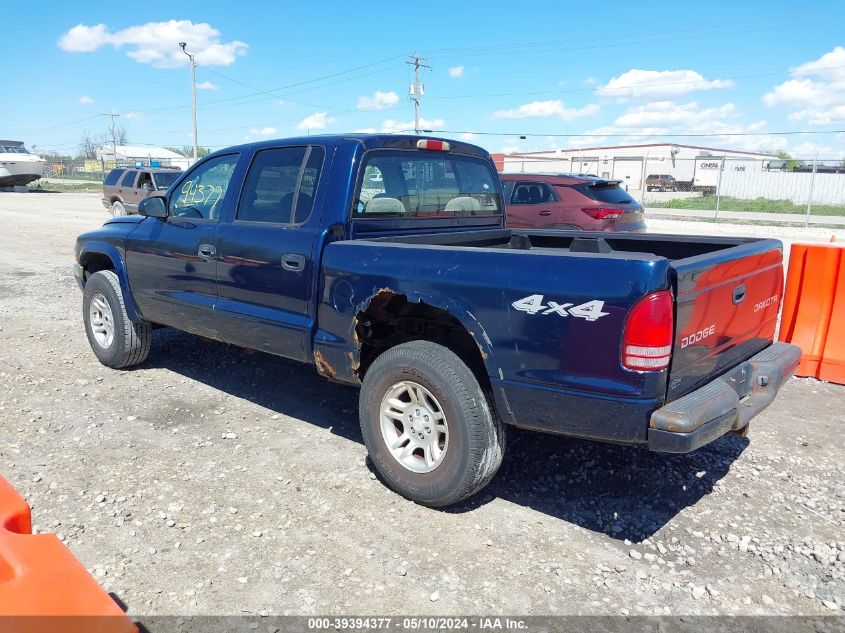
671,247
572,360
727,289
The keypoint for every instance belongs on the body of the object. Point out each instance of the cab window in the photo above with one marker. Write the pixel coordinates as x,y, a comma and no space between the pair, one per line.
532,193
144,179
202,193
128,179
280,185
112,177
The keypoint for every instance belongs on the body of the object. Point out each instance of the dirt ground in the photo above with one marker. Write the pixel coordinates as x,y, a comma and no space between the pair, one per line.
213,480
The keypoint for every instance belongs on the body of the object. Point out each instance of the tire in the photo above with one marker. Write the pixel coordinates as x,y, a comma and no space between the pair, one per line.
117,209
474,439
102,303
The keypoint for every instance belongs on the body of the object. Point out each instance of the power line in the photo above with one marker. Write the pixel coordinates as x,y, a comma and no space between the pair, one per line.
627,41
626,135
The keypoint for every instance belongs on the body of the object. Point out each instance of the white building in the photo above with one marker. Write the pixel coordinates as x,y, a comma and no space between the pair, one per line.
694,167
143,156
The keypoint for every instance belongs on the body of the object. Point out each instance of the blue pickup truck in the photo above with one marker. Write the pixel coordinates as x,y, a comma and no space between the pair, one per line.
384,261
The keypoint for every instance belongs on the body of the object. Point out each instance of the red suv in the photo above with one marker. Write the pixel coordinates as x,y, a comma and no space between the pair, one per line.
570,201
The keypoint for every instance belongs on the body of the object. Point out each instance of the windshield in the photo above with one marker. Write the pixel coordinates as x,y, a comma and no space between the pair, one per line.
13,149
164,179
401,184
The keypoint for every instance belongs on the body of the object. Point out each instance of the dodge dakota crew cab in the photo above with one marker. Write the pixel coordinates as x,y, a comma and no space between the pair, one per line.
384,261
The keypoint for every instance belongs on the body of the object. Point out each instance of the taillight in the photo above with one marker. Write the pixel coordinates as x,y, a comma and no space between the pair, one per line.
647,342
600,213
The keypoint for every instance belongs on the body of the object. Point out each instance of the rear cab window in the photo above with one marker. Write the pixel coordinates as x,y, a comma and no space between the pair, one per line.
419,184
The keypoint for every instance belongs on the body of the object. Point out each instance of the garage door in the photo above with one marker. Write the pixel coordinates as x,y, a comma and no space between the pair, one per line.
629,171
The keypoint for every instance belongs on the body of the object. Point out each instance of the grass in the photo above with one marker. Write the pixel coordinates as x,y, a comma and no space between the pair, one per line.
94,176
759,205
61,186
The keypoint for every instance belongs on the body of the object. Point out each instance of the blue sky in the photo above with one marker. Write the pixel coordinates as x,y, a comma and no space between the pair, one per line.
564,75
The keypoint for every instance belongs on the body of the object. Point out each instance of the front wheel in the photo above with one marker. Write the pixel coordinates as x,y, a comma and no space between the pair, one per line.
428,426
116,341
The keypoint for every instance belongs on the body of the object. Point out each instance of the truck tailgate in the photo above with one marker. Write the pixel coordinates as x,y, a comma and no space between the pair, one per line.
726,311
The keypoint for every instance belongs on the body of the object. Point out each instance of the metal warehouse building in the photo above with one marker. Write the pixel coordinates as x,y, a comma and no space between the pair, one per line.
694,167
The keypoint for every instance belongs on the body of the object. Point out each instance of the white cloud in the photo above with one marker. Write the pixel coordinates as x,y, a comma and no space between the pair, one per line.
258,133
550,108
86,100
670,114
456,72
389,126
657,121
468,136
591,81
366,130
816,91
316,121
157,43
207,85
379,101
658,84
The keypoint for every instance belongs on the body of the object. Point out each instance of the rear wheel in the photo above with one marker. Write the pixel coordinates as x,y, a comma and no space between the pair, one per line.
116,341
117,209
427,425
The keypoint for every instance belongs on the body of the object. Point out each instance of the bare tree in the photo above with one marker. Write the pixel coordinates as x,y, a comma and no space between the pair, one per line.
88,145
120,136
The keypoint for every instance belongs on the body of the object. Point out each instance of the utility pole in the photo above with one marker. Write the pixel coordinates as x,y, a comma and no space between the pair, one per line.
182,45
113,142
417,90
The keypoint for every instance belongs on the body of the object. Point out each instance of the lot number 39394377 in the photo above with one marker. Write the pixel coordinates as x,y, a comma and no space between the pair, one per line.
534,304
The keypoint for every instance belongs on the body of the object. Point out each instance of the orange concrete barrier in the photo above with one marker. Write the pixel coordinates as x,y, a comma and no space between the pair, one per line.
814,310
42,586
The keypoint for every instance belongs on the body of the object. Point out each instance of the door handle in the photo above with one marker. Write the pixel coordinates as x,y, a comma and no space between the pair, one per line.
294,262
739,294
545,212
207,251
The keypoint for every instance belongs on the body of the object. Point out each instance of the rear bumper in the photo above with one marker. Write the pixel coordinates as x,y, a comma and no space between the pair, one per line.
725,404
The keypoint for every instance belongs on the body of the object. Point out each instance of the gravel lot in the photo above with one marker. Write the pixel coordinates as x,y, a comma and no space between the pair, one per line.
213,480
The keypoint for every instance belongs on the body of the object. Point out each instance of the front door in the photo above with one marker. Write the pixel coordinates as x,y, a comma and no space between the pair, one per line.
172,262
265,253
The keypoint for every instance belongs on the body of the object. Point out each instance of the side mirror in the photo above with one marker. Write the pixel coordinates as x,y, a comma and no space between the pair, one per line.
153,207
147,186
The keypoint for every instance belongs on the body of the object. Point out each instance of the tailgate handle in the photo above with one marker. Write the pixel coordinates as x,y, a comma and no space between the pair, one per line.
739,294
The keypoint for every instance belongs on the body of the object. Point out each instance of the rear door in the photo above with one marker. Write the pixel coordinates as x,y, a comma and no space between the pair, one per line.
531,205
126,190
726,311
265,253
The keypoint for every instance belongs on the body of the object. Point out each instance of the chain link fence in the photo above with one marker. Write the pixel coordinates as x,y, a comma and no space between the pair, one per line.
714,187
727,186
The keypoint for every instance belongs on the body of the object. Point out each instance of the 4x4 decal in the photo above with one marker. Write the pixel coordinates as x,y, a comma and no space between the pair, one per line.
533,304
